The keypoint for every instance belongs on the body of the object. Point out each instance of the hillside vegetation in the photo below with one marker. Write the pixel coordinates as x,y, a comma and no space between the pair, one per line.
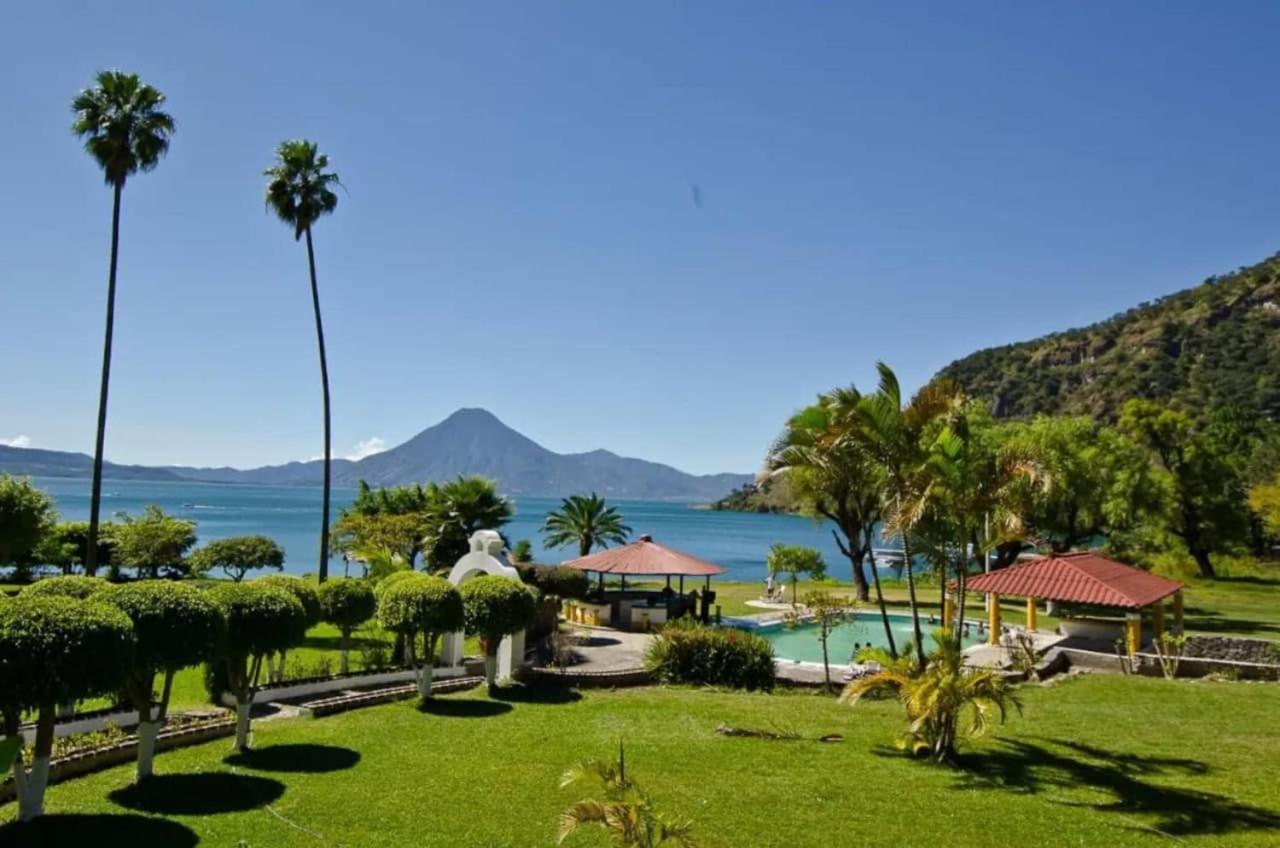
1214,345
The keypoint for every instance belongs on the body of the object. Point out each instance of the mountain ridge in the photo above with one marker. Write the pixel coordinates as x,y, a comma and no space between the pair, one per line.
469,441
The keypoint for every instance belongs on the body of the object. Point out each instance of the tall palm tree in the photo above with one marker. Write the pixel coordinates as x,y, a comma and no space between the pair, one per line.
894,434
588,521
299,191
125,131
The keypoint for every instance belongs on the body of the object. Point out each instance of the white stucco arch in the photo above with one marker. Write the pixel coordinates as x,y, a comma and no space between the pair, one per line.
485,557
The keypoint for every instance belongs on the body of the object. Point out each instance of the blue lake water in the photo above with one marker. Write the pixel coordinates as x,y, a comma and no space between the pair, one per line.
291,516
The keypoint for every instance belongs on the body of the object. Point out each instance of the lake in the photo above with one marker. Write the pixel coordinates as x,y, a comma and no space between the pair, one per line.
291,515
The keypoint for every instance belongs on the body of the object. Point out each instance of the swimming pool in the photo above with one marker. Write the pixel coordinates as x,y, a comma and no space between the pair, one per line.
861,629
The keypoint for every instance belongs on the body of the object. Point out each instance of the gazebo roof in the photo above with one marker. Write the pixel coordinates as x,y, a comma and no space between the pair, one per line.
646,556
1082,578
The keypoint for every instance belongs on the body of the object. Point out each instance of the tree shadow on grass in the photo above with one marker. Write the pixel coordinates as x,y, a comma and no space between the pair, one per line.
314,759
57,830
202,794
463,707
1064,765
535,693
1203,620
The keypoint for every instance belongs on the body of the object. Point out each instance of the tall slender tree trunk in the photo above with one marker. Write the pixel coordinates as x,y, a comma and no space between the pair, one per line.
95,497
324,381
911,593
869,553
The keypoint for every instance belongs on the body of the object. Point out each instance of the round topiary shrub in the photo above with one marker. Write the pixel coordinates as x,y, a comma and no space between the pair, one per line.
308,596
67,586
56,650
496,607
425,605
346,604
261,620
176,626
392,579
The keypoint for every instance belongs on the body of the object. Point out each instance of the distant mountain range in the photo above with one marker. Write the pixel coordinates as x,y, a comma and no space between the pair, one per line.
470,441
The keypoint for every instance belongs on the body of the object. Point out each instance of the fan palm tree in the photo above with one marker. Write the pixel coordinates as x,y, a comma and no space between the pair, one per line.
893,432
943,701
299,191
125,130
587,521
454,511
625,812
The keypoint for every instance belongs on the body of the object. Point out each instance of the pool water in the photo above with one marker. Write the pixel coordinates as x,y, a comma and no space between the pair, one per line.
861,629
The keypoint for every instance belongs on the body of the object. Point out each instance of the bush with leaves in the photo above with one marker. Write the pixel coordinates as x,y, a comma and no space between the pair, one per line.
237,556
153,542
522,552
55,650
421,605
176,626
688,652
67,586
27,515
496,607
308,596
556,581
795,560
262,620
346,604
625,812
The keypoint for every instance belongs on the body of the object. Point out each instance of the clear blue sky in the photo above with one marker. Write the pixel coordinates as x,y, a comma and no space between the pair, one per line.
899,181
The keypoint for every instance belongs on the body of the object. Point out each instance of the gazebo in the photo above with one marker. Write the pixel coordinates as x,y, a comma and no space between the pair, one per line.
1080,578
645,558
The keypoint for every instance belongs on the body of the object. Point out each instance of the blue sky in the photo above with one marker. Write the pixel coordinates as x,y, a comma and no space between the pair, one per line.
900,181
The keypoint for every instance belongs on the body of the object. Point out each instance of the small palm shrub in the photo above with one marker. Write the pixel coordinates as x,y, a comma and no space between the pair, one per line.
624,811
711,656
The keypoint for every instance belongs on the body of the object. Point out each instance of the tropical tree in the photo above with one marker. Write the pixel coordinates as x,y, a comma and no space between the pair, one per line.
27,516
837,480
625,812
125,130
892,432
944,701
425,605
347,604
54,650
496,607
587,522
152,541
261,620
66,546
237,556
826,611
793,561
456,510
176,626
299,192
522,552
394,517
1208,508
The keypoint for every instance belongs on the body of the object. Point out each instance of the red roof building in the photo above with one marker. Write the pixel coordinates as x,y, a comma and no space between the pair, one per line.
1080,578
646,557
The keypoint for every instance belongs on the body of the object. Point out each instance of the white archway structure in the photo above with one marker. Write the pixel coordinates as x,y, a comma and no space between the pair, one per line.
485,557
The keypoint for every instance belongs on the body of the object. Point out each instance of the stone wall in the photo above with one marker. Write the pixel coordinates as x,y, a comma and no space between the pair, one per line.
1233,648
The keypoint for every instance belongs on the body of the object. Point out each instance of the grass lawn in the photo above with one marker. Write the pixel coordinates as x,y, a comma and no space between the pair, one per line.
1096,760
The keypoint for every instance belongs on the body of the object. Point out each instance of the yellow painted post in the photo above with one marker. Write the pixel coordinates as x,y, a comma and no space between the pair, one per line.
993,620
948,612
1157,619
1133,632
1031,614
1177,611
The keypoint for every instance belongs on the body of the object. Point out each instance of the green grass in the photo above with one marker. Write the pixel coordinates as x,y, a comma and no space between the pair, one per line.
1095,761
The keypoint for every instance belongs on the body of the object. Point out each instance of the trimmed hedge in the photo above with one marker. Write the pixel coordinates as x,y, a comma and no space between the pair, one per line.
555,580
347,603
300,589
261,619
68,586
711,656
177,625
497,607
423,604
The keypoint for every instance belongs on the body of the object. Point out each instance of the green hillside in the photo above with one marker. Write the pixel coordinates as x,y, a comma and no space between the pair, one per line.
1217,344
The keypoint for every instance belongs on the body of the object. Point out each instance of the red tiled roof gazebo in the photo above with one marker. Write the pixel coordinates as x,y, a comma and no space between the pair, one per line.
1083,578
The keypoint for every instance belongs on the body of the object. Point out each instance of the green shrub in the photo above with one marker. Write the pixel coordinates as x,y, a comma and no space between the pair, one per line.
522,552
68,586
347,604
301,589
425,605
497,607
555,581
237,556
687,652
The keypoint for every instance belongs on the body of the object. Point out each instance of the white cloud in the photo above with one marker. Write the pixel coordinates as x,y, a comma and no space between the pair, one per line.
368,447
21,442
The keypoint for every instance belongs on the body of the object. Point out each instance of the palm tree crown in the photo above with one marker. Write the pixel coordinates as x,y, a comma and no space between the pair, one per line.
122,124
298,187
588,521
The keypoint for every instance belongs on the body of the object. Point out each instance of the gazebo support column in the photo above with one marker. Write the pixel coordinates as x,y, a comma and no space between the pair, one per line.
1157,619
1031,614
993,619
948,611
1133,632
1177,612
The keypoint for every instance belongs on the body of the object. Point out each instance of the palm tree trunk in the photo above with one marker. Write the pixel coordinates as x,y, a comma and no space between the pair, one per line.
323,573
911,592
884,613
95,497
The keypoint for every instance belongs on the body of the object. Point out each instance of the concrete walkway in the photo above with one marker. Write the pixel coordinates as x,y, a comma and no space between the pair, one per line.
610,650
